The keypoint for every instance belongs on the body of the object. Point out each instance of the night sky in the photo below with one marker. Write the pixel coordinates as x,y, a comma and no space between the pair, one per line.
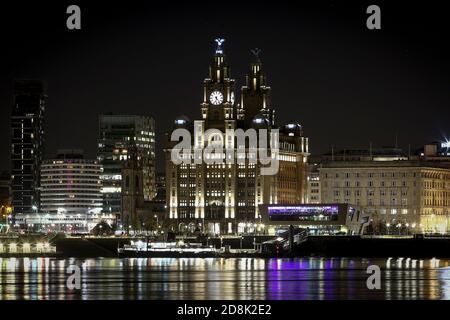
345,84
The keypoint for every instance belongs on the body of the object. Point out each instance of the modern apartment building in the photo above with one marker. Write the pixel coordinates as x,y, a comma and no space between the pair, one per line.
71,185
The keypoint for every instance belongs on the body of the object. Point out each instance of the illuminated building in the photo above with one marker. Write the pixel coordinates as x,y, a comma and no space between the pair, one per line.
27,142
318,219
5,189
222,198
403,194
71,184
313,182
63,222
5,200
116,134
436,152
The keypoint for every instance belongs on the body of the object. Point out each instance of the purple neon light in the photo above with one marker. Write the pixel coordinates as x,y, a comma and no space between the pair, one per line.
303,210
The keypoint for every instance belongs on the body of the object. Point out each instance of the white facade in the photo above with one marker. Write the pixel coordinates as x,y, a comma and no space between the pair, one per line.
71,186
313,192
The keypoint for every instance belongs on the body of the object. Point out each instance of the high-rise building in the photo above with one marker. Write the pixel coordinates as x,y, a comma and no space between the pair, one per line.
5,199
116,134
27,143
225,197
5,189
71,184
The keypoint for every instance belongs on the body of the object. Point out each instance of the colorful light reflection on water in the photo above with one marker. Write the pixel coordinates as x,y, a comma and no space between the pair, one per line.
229,279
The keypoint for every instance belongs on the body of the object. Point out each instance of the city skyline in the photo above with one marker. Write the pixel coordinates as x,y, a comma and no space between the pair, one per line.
224,159
340,70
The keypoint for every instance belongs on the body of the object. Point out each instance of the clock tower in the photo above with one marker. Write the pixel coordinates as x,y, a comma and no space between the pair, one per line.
223,197
218,91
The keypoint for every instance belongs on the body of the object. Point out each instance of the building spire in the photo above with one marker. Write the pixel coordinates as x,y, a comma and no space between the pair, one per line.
219,70
256,53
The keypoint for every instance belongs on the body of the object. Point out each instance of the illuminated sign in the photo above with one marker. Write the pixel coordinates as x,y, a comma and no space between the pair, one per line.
303,210
445,144
304,213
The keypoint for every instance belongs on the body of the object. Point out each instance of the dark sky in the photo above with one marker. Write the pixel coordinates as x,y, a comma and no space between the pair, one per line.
346,84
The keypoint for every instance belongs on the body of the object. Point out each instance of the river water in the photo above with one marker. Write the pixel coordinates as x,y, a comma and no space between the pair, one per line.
223,279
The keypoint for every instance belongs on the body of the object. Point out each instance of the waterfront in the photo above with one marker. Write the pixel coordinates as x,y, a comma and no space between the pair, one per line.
228,279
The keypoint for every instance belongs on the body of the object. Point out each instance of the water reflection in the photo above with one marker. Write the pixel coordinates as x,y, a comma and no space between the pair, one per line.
211,278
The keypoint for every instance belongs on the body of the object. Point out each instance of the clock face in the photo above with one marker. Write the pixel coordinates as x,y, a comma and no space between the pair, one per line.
232,98
216,97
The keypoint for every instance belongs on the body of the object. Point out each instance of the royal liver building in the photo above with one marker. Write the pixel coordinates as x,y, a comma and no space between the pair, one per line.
220,192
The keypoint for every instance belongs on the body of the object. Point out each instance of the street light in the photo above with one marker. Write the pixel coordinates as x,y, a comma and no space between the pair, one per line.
399,226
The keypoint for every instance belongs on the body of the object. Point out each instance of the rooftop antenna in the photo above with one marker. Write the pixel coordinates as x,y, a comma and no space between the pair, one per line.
332,153
370,149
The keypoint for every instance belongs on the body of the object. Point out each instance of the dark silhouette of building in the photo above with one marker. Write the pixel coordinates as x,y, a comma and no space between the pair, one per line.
132,188
27,143
139,214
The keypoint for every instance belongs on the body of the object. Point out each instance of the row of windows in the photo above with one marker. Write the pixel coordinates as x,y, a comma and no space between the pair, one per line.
77,196
370,183
65,168
68,184
370,193
371,202
424,174
372,175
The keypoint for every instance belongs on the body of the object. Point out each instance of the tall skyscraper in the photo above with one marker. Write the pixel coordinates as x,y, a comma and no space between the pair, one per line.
225,197
27,143
116,134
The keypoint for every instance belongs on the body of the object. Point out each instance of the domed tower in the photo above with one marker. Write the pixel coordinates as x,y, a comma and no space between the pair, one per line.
260,121
182,122
292,129
255,95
